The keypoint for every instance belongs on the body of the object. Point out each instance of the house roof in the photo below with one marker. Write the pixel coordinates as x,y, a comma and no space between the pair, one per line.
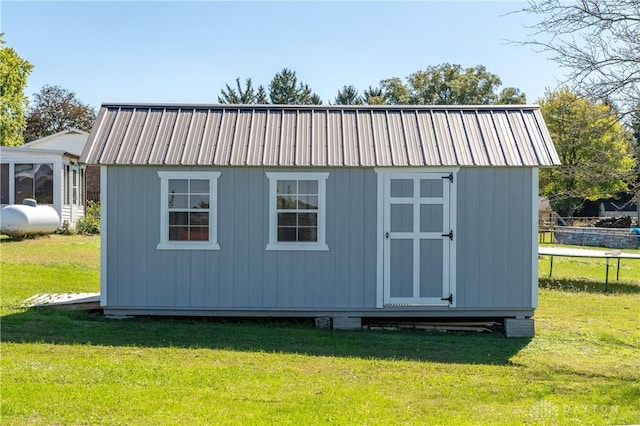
21,150
71,140
285,135
45,139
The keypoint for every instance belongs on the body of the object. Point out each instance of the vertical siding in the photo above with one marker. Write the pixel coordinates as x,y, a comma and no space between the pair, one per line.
494,238
493,231
342,240
242,274
240,262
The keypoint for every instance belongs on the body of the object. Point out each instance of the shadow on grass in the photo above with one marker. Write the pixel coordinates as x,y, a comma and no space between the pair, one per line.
4,239
588,286
272,336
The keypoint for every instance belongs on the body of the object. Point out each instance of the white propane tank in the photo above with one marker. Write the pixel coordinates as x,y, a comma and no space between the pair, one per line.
28,218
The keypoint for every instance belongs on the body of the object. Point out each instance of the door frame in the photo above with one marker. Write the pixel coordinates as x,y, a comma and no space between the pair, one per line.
384,173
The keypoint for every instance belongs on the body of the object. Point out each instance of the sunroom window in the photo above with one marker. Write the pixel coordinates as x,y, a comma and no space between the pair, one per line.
33,181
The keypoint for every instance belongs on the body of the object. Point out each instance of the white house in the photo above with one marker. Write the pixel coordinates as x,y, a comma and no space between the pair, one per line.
47,170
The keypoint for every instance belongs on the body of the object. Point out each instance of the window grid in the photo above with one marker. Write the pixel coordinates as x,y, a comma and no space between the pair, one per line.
297,216
189,217
297,210
188,206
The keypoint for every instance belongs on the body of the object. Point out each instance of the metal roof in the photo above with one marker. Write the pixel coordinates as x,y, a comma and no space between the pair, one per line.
293,135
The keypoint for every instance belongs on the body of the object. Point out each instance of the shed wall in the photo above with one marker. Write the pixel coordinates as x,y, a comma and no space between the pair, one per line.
495,230
493,260
242,274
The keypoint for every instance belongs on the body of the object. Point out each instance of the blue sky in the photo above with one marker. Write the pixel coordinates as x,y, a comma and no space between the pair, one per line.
165,51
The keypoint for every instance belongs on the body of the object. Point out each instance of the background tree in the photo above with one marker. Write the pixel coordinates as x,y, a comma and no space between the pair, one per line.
261,96
348,95
635,124
635,130
598,41
285,89
448,84
511,96
594,148
13,103
373,96
229,95
56,109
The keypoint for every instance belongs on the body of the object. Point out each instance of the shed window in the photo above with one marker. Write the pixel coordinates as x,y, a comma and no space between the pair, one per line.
297,211
189,210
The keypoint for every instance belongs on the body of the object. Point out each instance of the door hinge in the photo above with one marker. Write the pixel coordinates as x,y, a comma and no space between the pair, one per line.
450,177
450,235
450,299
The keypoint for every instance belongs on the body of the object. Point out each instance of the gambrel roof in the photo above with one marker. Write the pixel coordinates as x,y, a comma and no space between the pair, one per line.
319,135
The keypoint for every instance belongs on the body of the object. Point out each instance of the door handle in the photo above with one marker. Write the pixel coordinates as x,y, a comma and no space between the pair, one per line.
450,235
386,235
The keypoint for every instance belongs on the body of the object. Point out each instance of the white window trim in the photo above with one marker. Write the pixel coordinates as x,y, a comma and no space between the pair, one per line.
212,244
321,244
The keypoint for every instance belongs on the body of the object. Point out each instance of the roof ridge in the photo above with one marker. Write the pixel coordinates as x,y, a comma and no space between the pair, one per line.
179,105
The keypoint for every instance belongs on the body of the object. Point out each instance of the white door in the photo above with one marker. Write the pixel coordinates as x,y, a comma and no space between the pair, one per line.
418,239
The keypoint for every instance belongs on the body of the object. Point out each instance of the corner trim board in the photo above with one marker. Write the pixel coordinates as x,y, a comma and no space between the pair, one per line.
104,239
534,235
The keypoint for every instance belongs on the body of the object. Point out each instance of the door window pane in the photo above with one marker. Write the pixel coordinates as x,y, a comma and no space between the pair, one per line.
401,264
401,187
431,218
431,268
401,218
431,188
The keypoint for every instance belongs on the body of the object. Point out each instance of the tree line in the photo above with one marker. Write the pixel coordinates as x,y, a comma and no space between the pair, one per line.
444,84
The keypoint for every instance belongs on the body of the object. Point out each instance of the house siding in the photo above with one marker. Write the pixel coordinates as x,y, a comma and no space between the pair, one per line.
494,231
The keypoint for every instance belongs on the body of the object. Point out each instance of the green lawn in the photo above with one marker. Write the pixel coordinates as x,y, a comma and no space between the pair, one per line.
57,367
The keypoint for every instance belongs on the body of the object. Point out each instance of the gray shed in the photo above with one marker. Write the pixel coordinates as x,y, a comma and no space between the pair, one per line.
320,211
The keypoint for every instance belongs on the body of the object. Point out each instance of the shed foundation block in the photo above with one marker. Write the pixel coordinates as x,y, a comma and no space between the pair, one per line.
347,323
323,322
519,327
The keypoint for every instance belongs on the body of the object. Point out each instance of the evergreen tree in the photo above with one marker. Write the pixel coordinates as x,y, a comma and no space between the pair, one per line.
285,89
348,96
373,96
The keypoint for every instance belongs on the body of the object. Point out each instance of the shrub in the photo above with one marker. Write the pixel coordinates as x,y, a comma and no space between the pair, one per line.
90,222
